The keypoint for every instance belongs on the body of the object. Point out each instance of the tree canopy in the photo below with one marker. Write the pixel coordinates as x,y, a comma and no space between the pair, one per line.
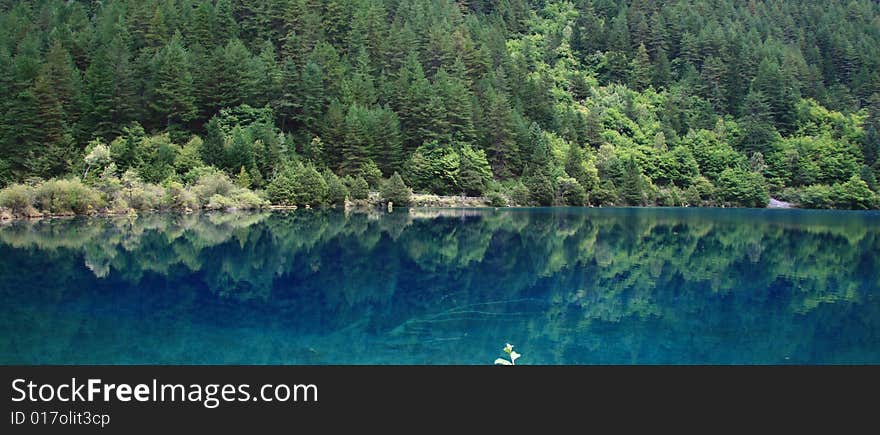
627,102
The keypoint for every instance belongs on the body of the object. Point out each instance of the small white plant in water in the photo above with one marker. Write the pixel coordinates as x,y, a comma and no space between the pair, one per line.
508,349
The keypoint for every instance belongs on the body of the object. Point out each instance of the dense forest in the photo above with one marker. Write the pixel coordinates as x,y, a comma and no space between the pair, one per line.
236,103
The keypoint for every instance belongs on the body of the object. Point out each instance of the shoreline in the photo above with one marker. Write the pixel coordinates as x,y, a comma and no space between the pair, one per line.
370,205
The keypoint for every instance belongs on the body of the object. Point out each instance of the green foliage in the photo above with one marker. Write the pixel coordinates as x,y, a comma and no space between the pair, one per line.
474,171
632,188
282,190
570,192
496,199
18,198
66,197
534,91
215,183
357,187
394,190
742,188
519,194
433,168
312,189
336,190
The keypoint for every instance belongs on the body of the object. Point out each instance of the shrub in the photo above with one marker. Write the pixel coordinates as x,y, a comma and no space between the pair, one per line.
312,187
336,190
218,202
214,183
247,199
282,189
742,188
357,187
179,198
18,198
853,194
396,191
371,173
496,199
816,196
519,194
146,196
570,191
66,196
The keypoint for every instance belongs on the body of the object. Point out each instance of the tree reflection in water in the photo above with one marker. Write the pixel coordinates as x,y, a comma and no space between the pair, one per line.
569,286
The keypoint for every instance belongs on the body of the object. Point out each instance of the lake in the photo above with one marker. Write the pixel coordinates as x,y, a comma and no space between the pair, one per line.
451,286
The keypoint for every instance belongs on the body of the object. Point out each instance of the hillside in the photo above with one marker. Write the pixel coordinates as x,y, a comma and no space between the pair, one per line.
700,103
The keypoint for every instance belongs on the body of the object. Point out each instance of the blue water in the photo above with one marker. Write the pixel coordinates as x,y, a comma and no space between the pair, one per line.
565,286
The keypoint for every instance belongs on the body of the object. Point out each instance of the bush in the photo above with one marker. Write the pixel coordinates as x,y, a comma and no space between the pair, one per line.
67,196
146,196
245,199
742,188
179,198
396,191
496,199
336,190
854,195
18,198
219,202
210,184
312,188
357,187
606,194
570,191
816,196
519,194
282,189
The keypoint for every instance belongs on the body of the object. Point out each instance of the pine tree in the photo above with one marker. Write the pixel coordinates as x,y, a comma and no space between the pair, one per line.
356,146
501,146
641,71
234,76
713,83
225,26
632,187
618,48
419,109
474,171
757,133
22,134
311,96
456,98
387,150
111,91
778,88
173,101
333,132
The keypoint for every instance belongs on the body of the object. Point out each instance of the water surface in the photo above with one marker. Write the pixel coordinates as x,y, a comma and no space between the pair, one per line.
565,286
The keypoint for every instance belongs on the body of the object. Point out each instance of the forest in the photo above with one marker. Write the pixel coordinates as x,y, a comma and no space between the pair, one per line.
184,104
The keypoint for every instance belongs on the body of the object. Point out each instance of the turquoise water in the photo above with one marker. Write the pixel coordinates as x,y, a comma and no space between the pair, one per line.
565,286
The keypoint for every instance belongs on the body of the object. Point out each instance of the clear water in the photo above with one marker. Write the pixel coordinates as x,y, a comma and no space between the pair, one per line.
565,286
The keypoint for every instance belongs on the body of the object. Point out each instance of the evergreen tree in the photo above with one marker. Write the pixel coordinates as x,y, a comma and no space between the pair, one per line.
501,146
632,186
642,73
757,131
110,90
172,101
394,190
